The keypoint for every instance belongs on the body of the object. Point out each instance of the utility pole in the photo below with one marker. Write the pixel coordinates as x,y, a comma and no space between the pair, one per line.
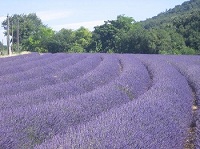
12,37
17,35
8,36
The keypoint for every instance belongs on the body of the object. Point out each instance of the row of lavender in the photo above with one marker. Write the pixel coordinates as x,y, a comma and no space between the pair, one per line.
190,68
31,116
95,101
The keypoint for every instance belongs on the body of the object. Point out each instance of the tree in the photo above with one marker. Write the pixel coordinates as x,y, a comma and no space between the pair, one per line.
39,41
63,40
82,40
104,36
107,37
28,25
139,40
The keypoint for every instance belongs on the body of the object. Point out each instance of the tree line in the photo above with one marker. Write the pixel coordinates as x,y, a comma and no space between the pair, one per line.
176,31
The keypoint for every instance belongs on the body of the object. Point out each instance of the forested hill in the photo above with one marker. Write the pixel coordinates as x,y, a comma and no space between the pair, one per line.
186,9
183,19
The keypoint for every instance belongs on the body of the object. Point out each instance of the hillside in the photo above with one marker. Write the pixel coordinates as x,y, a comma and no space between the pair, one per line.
185,9
183,19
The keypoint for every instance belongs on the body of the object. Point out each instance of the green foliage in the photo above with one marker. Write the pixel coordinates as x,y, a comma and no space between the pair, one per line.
189,27
176,31
184,22
64,39
109,35
76,49
83,37
188,51
38,42
124,35
28,26
82,40
3,49
67,40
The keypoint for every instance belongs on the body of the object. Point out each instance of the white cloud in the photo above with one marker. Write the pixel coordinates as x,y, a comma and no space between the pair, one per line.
53,15
90,25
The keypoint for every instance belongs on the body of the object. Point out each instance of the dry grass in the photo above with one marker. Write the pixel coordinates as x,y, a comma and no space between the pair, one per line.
15,54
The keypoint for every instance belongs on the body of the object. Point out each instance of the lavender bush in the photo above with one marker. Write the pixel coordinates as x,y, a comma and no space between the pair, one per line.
157,119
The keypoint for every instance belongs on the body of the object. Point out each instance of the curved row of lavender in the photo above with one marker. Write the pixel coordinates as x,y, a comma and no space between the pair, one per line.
94,101
37,67
38,77
49,110
190,68
159,118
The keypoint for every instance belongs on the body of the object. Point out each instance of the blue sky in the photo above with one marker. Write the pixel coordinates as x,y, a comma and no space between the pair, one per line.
72,14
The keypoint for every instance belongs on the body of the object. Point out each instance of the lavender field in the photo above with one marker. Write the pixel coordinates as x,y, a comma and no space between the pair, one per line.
99,101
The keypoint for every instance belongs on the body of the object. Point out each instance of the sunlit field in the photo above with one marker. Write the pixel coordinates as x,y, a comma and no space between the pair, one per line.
103,101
